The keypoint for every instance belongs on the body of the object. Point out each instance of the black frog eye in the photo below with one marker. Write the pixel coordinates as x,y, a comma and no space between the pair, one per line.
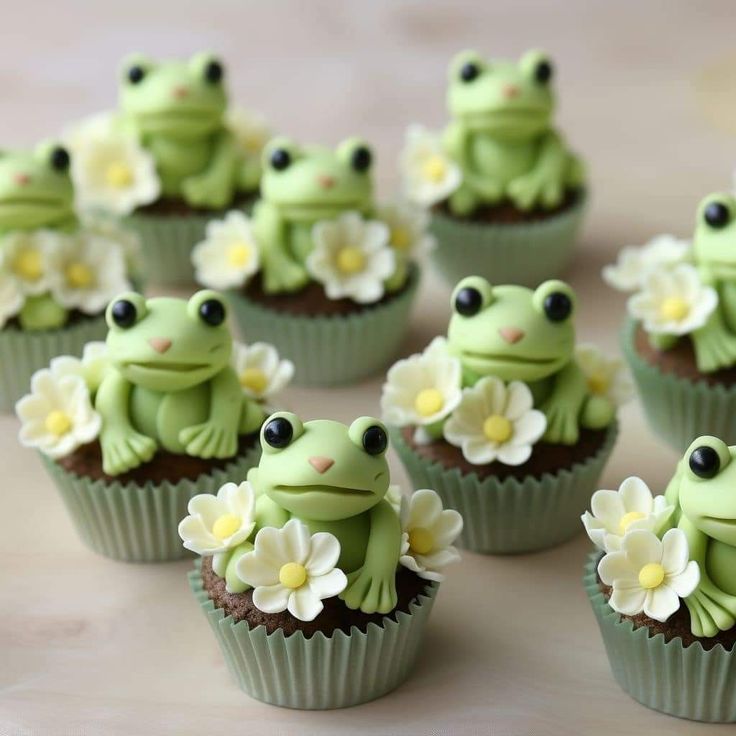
716,215
278,433
361,159
468,301
704,462
212,312
59,159
469,71
375,440
543,72
557,306
124,313
214,72
280,159
136,74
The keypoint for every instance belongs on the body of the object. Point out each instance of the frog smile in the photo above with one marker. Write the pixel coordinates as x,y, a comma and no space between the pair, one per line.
161,366
719,520
339,490
493,358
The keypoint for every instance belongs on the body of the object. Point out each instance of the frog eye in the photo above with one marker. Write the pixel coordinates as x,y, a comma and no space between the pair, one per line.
716,214
135,67
466,67
370,435
280,430
209,306
471,295
538,66
126,310
135,74
279,154
543,72
707,456
361,158
555,299
214,71
59,159
357,153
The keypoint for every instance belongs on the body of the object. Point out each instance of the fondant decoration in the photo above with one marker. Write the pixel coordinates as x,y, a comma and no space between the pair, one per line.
260,370
606,377
649,575
251,132
91,368
702,492
632,506
27,258
11,297
228,255
428,532
292,569
495,422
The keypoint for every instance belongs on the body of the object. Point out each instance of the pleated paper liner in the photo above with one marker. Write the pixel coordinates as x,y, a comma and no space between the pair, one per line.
525,253
320,672
688,682
23,352
511,516
138,523
677,409
335,349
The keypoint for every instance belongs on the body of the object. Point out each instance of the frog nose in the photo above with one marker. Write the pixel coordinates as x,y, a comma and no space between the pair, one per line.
511,334
510,91
326,181
180,92
21,179
159,344
321,464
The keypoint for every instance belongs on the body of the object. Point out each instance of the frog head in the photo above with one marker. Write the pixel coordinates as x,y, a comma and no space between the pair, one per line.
166,344
35,188
321,469
510,100
707,488
176,99
512,332
315,183
715,231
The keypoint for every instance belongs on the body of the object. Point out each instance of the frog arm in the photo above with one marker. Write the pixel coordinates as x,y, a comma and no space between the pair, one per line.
249,173
233,583
715,344
214,186
660,341
545,184
123,448
564,404
672,492
372,587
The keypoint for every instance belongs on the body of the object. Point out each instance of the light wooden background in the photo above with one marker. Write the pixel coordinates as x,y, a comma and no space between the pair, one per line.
89,646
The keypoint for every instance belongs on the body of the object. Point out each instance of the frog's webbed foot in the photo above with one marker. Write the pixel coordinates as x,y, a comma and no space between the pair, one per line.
598,413
283,275
370,593
536,187
715,348
463,201
209,439
206,190
562,423
123,451
711,610
252,416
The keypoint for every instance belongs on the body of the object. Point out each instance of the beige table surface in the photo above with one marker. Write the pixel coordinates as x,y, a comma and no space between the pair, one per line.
90,646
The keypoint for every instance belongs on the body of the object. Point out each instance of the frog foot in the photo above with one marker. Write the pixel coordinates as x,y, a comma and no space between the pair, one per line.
207,191
370,593
535,188
562,424
252,417
598,413
123,451
208,440
711,610
714,349
284,276
463,201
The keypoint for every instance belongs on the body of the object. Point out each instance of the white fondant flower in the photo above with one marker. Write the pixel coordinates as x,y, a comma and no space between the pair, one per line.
88,271
351,257
606,377
291,570
57,416
260,371
650,575
407,224
219,523
673,302
11,298
91,367
428,532
421,390
249,129
228,255
429,174
27,258
631,507
128,239
495,422
438,346
635,263
394,497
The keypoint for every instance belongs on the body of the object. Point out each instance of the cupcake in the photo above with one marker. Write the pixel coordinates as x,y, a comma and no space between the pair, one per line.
170,158
317,578
506,194
56,273
319,269
680,338
164,410
506,419
652,555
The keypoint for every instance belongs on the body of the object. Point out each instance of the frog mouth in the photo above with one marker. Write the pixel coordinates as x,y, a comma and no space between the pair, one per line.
503,115
516,359
170,367
719,520
178,116
335,490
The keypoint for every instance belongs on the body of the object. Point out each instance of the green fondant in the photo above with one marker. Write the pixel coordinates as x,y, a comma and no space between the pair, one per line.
344,497
501,134
42,313
705,509
170,385
512,337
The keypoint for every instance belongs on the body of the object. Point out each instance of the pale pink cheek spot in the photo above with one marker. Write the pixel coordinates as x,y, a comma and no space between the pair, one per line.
22,179
511,335
321,464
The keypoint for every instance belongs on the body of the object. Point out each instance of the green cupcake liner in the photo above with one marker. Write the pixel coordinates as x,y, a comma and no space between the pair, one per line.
23,352
526,253
688,682
511,516
320,672
330,350
677,409
135,523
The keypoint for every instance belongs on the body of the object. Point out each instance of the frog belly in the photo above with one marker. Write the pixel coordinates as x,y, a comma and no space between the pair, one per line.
299,236
721,563
503,162
352,533
178,160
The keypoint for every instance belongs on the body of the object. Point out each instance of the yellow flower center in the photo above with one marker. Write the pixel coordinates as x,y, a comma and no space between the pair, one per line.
428,401
651,575
421,540
674,308
226,525
58,423
628,519
400,238
78,275
28,264
598,383
292,575
119,175
254,379
498,429
238,254
350,259
434,169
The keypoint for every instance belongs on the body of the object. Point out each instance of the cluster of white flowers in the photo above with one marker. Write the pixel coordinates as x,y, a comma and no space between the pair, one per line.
260,370
646,564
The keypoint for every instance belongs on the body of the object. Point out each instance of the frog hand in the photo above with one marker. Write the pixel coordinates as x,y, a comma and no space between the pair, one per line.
208,190
282,274
210,439
715,347
125,449
562,422
711,610
369,592
536,188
